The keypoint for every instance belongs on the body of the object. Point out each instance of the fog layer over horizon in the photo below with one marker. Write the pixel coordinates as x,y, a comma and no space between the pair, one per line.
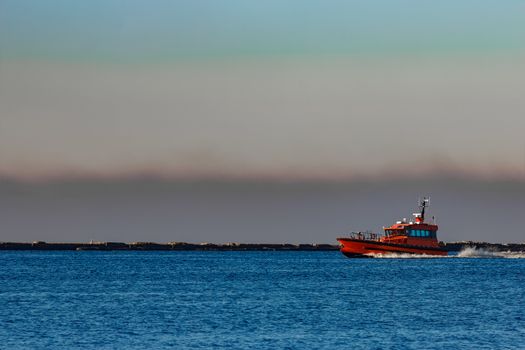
329,118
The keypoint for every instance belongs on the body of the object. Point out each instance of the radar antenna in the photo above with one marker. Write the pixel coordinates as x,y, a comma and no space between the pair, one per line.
425,203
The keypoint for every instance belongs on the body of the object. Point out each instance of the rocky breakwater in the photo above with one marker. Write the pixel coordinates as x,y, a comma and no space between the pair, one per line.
171,246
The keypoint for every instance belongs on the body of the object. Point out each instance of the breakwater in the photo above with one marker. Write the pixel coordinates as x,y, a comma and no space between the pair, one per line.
171,246
184,246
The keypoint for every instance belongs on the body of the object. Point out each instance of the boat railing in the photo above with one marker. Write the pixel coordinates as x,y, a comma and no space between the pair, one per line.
367,235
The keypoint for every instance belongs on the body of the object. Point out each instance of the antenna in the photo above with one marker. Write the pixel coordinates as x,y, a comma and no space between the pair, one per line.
425,203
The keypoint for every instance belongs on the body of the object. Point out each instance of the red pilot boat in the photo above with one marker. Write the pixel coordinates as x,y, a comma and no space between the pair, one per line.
414,237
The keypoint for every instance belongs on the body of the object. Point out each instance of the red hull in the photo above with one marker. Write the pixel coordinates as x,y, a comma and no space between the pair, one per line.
362,248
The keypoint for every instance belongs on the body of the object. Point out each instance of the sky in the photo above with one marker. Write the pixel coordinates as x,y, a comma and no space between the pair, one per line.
272,92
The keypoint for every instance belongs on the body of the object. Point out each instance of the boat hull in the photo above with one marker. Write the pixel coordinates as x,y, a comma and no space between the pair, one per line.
362,248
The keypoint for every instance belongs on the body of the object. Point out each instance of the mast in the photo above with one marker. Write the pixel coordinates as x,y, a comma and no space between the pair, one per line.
423,205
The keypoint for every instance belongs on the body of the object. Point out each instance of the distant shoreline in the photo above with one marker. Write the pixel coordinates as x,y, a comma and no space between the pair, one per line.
183,246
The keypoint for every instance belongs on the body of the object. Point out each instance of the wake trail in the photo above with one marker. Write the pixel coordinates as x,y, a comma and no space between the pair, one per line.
483,253
466,253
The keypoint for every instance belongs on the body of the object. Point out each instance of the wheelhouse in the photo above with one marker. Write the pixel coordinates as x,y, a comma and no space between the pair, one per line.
411,232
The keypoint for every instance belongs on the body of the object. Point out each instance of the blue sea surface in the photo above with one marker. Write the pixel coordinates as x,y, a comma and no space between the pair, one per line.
258,300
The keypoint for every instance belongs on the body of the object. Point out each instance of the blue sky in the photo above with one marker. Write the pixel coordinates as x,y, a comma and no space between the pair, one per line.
155,31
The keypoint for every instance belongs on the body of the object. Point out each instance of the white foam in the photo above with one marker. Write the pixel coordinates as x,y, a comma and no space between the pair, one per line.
483,253
406,256
464,253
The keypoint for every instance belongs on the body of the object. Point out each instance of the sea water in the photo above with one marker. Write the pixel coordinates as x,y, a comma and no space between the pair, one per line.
259,300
